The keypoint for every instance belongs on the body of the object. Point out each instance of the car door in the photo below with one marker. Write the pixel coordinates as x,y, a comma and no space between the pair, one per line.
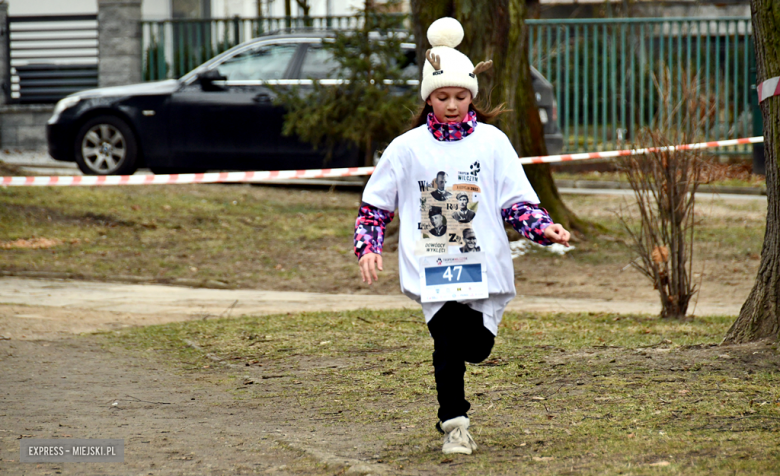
234,125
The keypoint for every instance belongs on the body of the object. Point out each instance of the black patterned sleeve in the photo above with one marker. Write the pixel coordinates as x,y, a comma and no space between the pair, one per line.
370,229
529,220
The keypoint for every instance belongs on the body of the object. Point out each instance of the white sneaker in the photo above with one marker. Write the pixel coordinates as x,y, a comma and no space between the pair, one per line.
458,439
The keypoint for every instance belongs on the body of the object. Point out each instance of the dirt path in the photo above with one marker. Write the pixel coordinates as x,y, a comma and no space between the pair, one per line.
178,422
44,309
171,423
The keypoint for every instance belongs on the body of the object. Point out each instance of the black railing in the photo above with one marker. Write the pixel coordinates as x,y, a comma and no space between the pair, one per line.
50,56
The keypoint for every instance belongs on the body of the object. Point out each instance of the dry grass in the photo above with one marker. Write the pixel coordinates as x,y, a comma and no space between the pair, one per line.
276,238
561,393
738,174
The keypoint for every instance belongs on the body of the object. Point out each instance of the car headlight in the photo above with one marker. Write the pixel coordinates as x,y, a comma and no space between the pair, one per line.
62,105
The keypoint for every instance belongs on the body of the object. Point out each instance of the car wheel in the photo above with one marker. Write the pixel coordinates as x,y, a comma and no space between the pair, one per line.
105,145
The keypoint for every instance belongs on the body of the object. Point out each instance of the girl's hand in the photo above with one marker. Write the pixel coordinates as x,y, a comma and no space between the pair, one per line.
368,264
557,234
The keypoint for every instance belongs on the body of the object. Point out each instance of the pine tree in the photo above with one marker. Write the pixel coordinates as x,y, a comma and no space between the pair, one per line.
372,103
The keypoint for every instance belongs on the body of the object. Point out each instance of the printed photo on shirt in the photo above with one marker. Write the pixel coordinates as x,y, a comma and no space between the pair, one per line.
443,220
440,183
438,222
470,240
463,214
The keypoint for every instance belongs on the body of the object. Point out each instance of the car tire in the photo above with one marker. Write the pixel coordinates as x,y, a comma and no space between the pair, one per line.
105,145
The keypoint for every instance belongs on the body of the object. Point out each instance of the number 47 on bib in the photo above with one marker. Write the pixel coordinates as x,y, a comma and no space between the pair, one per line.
453,277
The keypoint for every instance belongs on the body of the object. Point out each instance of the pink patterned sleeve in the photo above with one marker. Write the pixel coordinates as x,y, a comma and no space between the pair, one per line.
529,220
370,229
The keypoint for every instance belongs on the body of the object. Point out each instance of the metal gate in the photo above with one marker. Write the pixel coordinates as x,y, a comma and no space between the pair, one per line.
50,57
614,77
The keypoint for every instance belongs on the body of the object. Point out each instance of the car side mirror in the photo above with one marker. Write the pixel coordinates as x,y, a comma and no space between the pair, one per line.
207,78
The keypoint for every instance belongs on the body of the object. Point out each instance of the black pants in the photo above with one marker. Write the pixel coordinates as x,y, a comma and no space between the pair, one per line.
459,336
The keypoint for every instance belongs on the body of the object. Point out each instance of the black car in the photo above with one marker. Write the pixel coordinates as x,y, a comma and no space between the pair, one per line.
220,116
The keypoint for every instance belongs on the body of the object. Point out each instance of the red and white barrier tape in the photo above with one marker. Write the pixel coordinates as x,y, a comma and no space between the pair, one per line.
769,88
262,176
216,177
622,153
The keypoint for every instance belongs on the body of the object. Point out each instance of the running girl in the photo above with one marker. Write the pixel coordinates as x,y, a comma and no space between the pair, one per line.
455,262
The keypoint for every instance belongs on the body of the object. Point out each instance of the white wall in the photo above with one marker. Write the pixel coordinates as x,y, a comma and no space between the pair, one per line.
161,9
231,8
50,7
156,9
318,8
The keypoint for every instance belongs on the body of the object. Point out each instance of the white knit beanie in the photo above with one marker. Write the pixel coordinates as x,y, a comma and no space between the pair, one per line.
445,66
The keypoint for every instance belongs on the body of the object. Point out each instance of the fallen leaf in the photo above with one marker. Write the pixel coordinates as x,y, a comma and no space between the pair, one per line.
544,458
32,243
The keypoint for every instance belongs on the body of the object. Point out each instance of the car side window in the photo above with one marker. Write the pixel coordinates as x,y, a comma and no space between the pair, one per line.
409,65
318,64
260,63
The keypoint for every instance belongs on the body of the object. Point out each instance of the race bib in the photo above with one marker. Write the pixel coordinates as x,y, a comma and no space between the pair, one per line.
453,277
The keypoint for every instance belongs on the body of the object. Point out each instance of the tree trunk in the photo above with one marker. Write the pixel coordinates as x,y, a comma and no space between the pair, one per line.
759,317
496,30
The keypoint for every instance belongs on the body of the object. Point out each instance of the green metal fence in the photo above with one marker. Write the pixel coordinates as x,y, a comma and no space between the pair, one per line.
613,77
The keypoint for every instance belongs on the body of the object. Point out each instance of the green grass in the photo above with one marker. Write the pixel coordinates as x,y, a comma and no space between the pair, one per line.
561,393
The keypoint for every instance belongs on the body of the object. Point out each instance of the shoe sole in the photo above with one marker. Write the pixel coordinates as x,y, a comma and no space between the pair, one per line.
457,451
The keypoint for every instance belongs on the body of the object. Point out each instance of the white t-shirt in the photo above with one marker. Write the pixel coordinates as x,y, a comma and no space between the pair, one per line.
445,192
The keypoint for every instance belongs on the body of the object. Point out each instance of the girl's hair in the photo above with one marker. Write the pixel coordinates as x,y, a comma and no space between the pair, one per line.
483,115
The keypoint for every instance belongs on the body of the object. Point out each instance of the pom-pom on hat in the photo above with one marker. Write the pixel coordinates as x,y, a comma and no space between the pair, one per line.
445,66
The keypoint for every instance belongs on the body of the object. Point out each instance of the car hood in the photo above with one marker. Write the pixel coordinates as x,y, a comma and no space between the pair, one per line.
142,89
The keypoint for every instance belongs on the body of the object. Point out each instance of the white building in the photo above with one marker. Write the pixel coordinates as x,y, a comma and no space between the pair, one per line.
166,9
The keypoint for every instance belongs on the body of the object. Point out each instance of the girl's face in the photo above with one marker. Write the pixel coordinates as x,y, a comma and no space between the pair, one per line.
450,104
